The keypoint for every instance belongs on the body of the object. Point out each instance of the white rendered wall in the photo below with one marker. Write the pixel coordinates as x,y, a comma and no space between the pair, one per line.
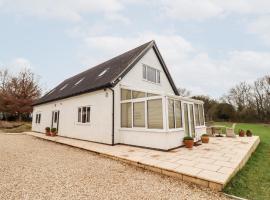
100,127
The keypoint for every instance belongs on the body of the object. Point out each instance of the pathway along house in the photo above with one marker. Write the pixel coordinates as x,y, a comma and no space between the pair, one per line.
130,99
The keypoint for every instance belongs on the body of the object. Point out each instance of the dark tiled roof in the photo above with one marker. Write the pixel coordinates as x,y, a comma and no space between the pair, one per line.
104,75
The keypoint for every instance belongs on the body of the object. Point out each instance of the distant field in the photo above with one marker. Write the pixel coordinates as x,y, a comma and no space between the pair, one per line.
253,181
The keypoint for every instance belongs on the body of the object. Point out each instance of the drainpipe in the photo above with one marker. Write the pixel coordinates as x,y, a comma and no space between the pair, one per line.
112,115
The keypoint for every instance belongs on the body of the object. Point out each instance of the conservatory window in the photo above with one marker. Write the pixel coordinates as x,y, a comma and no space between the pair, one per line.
139,114
154,114
126,115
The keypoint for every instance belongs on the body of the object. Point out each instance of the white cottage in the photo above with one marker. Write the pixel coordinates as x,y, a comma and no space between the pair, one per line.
130,99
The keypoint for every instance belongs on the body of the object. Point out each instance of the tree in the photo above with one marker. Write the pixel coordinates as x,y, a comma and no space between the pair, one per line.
18,92
225,112
184,92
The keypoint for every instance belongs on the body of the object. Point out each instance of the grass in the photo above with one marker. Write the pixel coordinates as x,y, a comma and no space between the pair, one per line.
14,127
253,181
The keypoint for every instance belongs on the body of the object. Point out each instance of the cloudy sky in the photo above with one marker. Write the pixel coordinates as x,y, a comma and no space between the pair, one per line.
208,45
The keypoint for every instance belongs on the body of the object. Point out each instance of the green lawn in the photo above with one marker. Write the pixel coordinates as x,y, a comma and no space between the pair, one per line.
253,181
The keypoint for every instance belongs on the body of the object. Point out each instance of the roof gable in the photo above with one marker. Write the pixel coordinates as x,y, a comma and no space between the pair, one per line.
106,74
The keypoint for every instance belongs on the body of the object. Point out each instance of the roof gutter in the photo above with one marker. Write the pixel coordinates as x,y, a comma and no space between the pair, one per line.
112,116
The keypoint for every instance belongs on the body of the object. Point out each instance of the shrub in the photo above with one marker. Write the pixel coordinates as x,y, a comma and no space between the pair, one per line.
53,130
48,129
188,138
205,135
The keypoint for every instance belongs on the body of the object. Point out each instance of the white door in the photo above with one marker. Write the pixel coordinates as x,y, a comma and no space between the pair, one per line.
55,119
189,122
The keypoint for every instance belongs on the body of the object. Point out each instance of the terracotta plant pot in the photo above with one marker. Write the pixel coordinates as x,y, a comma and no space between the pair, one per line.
249,133
189,143
205,139
241,133
48,133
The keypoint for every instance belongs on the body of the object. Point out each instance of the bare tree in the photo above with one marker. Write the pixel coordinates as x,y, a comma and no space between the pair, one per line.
184,92
17,93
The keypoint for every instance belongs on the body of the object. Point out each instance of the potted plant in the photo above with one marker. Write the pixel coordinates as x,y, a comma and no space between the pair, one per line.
53,132
241,133
249,133
188,141
205,138
48,131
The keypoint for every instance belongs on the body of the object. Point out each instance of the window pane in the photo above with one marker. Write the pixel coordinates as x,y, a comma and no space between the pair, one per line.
201,114
39,118
154,115
88,114
79,114
125,94
151,94
178,114
158,76
151,74
192,125
83,114
144,72
55,117
139,114
126,115
197,118
171,114
186,119
137,94
36,118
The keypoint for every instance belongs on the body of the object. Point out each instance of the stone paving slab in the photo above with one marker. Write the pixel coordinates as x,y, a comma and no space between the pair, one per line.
210,165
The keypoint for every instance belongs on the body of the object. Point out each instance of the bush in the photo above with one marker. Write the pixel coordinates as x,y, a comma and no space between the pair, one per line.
188,138
53,130
48,129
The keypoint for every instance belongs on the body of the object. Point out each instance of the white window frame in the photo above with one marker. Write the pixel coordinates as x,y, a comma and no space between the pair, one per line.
143,99
77,115
157,74
174,129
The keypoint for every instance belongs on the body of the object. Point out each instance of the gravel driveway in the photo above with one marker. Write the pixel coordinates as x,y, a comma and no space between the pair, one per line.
31,168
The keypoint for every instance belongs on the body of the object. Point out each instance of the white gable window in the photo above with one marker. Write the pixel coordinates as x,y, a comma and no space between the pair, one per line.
151,74
84,114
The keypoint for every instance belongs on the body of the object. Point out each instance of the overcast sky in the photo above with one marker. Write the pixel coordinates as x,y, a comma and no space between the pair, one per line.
208,45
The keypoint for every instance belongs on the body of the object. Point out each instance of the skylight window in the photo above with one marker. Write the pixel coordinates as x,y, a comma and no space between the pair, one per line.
63,87
50,92
78,82
103,72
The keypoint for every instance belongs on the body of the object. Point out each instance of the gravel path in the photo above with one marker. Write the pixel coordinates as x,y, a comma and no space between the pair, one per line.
31,168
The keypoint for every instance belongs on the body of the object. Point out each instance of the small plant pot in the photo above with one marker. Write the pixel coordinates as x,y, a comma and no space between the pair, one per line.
189,143
249,133
205,139
53,134
48,133
242,133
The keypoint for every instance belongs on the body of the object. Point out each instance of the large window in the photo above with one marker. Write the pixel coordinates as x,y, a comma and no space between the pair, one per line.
126,115
171,114
197,116
192,125
201,115
151,74
174,114
178,114
84,114
154,114
142,113
139,114
38,118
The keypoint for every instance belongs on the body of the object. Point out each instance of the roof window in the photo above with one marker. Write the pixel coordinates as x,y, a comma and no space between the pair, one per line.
63,87
103,72
78,82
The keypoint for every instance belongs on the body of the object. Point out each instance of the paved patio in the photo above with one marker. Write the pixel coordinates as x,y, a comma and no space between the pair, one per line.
211,165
